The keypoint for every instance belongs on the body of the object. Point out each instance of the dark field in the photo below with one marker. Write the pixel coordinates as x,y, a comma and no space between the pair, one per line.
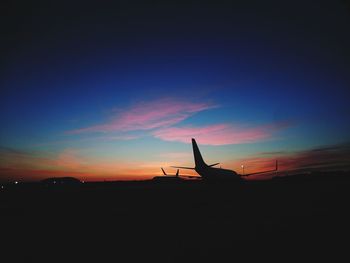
297,218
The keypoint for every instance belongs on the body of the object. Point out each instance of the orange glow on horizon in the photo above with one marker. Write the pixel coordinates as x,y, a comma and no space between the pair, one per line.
24,166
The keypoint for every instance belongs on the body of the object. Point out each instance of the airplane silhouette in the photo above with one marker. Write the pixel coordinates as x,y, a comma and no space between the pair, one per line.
208,172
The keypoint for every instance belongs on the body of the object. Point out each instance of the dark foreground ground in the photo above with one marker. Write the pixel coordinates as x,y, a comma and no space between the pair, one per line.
286,220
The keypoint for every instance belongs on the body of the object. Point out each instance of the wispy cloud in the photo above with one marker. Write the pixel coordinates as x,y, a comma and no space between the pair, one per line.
26,159
119,137
176,155
219,134
21,165
148,116
336,157
160,118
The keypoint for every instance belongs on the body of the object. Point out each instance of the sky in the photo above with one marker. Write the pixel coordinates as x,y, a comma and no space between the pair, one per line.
116,90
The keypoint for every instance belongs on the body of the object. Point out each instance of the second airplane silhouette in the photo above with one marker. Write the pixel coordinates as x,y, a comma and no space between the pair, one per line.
208,172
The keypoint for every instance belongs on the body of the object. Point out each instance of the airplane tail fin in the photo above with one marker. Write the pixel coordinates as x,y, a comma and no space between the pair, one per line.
198,159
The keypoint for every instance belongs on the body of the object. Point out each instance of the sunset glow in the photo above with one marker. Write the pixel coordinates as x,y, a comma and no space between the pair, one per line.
122,98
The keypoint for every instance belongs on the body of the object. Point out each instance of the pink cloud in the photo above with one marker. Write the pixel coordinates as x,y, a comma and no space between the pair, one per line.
147,116
218,134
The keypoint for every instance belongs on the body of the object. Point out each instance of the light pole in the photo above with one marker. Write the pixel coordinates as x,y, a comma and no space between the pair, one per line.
242,168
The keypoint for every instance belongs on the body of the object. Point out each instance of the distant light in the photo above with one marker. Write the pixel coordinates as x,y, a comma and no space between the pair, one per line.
54,182
2,187
83,181
242,169
16,182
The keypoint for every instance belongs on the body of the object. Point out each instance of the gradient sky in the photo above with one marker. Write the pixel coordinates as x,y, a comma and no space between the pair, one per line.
115,91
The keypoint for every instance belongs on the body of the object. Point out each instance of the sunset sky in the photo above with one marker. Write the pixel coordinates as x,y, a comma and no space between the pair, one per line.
116,91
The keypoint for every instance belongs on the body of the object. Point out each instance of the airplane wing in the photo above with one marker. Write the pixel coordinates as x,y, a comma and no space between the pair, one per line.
274,170
180,167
